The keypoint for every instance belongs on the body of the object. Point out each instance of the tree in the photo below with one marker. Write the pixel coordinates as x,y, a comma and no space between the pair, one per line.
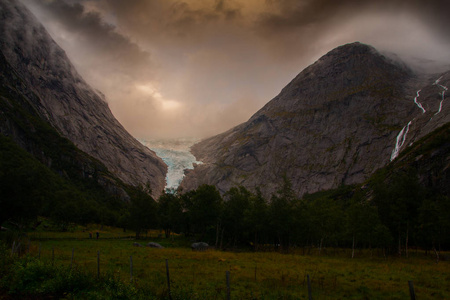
24,184
364,225
204,208
434,223
233,217
398,202
325,220
256,218
281,214
142,212
170,212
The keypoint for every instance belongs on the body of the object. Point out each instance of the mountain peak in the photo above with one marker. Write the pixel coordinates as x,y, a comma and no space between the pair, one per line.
344,70
334,123
355,47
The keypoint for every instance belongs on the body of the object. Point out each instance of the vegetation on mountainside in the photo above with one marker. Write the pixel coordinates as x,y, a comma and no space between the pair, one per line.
49,176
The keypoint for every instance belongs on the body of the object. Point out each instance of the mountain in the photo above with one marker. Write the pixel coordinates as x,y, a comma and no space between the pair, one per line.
37,71
335,123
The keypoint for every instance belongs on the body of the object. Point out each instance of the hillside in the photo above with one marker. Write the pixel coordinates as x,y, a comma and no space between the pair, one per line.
336,123
39,73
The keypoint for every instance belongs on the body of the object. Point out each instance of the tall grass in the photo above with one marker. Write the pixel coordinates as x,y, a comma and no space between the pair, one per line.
201,275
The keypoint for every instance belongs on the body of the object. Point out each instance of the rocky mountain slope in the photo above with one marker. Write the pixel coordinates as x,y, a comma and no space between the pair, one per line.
45,78
336,123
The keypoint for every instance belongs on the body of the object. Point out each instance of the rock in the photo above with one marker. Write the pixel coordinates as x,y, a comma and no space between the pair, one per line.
201,246
154,245
137,245
335,123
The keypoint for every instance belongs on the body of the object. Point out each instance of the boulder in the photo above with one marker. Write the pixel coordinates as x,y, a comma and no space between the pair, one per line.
201,246
154,245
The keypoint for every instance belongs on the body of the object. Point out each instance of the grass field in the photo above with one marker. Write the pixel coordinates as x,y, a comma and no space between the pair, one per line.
261,275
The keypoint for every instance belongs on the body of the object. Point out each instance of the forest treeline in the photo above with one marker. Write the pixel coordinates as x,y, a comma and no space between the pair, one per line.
394,216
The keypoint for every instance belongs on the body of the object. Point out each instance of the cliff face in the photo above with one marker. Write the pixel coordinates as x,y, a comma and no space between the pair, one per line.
335,123
53,88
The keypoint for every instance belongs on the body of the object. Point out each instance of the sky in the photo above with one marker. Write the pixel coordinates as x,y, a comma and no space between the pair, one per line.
195,68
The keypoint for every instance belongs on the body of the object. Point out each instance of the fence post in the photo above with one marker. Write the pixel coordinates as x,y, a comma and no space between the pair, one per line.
168,279
411,290
309,288
131,268
71,260
12,249
98,264
228,286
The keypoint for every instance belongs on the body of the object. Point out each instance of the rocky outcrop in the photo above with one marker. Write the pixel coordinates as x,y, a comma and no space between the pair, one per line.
335,123
55,90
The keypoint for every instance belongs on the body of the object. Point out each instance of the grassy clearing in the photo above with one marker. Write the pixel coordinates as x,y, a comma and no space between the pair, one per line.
263,275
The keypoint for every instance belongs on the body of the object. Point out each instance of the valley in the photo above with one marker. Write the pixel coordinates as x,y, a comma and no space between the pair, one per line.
342,177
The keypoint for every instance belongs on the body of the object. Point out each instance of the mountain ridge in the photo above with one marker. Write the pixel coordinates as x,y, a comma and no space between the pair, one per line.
69,104
335,123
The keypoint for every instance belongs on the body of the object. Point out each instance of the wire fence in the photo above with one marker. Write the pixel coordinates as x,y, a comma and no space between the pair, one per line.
21,249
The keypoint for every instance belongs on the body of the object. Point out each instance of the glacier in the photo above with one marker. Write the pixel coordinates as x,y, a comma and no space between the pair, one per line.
176,154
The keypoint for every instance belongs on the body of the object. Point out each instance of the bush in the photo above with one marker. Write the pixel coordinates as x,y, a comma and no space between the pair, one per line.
29,277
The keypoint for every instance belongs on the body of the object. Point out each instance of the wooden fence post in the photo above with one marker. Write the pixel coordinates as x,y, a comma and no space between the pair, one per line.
411,290
71,260
12,249
98,264
309,288
228,286
168,279
131,268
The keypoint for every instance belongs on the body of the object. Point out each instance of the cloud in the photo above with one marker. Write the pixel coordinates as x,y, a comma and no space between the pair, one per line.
92,37
196,68
292,13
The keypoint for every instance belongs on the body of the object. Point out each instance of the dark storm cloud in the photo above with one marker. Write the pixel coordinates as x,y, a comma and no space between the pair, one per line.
96,35
293,14
213,63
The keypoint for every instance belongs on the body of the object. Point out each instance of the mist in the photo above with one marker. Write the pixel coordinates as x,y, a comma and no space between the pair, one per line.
172,69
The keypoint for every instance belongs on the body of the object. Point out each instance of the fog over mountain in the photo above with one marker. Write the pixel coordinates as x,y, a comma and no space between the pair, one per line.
173,68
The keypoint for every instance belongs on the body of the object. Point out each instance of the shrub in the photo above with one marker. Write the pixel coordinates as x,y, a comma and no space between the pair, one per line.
30,277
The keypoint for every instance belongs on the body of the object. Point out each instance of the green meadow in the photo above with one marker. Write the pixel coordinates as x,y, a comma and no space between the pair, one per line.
202,275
